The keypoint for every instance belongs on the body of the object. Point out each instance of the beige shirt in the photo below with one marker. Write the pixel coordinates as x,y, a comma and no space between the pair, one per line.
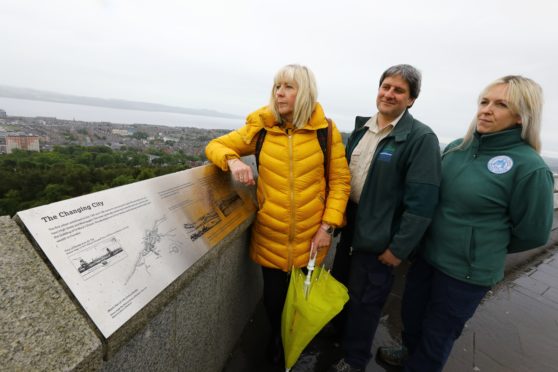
362,155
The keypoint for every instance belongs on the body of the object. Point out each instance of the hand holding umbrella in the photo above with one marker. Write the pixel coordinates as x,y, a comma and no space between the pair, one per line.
312,301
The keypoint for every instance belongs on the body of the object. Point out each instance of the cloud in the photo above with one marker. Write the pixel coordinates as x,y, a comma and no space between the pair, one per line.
222,54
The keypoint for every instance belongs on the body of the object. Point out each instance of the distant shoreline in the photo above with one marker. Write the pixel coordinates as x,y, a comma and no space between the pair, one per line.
46,96
19,107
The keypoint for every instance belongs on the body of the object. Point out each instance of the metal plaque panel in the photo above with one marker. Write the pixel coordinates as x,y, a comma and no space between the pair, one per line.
117,249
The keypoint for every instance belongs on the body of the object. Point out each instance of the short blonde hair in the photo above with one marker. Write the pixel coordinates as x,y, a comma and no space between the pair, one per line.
525,98
306,97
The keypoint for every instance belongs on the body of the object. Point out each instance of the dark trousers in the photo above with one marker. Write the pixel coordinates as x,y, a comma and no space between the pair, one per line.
342,263
369,285
276,284
434,310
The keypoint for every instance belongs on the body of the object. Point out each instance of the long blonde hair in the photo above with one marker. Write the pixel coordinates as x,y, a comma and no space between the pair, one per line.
306,97
525,98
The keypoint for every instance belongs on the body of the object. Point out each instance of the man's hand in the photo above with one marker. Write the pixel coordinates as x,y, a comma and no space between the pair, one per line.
241,172
388,259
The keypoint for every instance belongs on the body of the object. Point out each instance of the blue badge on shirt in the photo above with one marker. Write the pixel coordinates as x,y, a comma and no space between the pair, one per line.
386,154
500,164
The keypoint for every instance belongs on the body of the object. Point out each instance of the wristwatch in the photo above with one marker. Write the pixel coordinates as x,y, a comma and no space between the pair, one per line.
329,229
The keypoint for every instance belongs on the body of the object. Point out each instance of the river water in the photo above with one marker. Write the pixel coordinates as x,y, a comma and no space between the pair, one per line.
67,111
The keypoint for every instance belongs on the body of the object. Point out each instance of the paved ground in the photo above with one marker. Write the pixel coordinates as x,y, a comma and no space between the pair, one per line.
515,329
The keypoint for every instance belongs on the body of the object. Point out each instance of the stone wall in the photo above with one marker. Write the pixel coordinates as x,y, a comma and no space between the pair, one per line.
192,325
40,326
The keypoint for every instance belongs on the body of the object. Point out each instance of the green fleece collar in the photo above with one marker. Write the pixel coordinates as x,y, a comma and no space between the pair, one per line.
499,140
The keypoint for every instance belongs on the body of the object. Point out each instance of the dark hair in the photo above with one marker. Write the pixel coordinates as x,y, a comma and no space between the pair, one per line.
411,75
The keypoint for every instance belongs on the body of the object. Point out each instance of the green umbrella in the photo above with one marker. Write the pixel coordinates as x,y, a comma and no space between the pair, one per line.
304,316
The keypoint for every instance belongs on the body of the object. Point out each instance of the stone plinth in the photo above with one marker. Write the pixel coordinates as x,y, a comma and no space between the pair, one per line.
40,327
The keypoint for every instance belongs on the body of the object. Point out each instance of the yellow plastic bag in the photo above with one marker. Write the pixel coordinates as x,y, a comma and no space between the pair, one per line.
302,317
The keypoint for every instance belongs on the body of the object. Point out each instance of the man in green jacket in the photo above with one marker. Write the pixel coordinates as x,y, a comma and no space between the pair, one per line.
395,177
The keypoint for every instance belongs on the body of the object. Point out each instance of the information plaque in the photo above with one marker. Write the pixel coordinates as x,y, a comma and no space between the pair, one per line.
117,249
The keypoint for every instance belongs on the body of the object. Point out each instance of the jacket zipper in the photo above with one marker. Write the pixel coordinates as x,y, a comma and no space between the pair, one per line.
292,201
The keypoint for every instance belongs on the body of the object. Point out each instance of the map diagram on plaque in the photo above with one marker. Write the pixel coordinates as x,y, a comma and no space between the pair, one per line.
98,257
152,243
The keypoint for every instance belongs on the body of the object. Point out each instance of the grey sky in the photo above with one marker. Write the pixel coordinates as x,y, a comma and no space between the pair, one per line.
222,55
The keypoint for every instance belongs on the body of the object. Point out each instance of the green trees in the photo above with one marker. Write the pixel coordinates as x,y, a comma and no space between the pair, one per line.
29,179
140,135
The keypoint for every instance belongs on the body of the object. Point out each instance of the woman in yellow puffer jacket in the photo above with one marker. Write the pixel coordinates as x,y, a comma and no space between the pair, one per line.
293,211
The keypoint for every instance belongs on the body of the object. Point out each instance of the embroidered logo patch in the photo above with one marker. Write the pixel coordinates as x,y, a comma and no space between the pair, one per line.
386,153
385,156
500,164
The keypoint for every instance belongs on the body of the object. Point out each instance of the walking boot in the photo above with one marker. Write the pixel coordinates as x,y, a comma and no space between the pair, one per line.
394,355
343,366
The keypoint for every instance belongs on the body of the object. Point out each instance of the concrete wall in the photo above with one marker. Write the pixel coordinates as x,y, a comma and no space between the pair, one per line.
192,325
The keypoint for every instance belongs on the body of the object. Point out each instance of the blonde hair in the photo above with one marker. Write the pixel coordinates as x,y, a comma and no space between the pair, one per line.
525,98
306,97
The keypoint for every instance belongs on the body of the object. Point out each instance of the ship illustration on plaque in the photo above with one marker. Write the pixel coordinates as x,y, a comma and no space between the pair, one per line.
97,257
220,209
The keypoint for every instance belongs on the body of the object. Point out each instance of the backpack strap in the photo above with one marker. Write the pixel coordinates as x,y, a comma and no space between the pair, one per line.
259,144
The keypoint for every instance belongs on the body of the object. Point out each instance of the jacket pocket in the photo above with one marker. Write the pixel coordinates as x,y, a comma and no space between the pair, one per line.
321,198
260,203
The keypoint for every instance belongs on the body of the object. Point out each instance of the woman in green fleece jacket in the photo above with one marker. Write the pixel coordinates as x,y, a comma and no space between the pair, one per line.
496,197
